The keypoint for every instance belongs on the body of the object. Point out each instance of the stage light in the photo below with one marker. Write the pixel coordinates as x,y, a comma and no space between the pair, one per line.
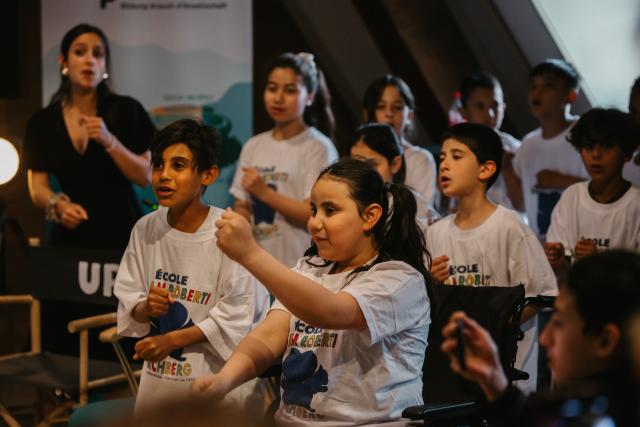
9,161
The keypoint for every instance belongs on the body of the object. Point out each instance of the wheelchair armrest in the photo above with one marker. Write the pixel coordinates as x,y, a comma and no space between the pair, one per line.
441,411
110,335
91,322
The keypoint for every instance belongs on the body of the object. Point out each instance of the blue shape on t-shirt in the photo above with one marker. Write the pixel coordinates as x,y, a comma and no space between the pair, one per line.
176,318
302,378
546,202
261,211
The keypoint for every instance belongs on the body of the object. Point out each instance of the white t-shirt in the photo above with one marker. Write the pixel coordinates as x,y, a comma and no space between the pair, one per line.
211,292
421,171
498,192
290,167
536,154
612,226
502,251
631,170
345,377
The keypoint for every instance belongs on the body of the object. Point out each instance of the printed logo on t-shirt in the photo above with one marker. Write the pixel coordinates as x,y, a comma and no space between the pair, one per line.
270,175
179,289
177,317
602,243
467,275
309,336
302,377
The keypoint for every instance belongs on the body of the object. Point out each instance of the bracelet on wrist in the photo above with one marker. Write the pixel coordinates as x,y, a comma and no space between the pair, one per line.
51,214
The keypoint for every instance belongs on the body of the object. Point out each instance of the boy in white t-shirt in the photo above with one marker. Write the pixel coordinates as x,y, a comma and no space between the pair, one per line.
483,244
483,103
603,213
188,301
546,163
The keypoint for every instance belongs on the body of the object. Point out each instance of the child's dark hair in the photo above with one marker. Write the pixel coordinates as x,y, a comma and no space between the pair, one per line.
636,86
202,140
608,128
605,288
478,79
558,68
382,139
396,236
64,90
374,92
319,113
483,141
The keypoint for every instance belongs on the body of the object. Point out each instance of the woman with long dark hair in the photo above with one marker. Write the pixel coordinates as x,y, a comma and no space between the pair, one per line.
94,143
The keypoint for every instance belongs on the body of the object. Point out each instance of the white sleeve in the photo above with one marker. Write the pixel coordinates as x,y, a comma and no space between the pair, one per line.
391,300
519,160
559,228
425,167
243,302
318,157
529,265
236,189
130,288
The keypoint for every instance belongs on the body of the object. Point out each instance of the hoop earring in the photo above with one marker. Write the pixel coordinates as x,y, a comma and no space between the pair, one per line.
65,71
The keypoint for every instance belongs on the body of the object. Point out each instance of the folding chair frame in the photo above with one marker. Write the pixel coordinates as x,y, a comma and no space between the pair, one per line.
81,327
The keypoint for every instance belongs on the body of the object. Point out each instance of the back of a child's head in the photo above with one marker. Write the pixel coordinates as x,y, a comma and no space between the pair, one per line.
374,92
634,99
483,141
475,80
606,288
606,127
558,69
303,64
382,139
635,88
396,235
202,140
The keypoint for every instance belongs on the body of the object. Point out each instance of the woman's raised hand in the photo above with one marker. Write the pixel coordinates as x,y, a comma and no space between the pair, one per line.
98,131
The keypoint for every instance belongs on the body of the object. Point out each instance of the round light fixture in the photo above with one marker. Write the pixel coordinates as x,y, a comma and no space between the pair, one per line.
9,161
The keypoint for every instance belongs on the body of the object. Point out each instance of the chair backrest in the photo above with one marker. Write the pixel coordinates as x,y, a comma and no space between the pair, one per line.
493,307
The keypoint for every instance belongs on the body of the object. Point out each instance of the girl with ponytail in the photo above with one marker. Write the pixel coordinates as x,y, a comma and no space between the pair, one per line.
277,168
351,320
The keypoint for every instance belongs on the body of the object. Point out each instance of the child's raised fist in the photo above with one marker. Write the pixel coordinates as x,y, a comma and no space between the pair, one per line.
158,301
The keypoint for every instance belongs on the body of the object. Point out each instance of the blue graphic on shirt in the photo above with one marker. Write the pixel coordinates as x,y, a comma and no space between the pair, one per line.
302,378
263,213
546,202
176,318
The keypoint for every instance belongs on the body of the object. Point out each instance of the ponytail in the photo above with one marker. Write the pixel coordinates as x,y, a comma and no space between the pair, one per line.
396,235
319,114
